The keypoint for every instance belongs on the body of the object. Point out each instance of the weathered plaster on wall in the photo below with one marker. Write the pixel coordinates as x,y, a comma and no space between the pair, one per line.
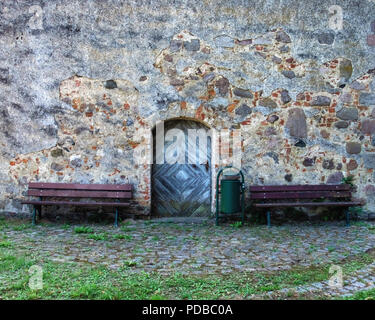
76,89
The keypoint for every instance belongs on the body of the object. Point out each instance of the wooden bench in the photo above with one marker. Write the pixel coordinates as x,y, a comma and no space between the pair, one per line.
118,195
325,195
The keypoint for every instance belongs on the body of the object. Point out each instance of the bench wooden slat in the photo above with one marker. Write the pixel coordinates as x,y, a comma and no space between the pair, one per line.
79,194
76,203
322,187
115,192
279,196
300,195
75,186
308,204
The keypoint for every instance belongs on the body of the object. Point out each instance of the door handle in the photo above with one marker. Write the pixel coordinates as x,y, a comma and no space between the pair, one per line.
207,166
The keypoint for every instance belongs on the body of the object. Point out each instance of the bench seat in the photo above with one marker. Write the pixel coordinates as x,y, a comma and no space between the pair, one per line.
118,195
76,203
308,204
323,195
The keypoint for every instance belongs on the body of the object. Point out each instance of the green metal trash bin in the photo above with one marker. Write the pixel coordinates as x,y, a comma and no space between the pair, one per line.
230,193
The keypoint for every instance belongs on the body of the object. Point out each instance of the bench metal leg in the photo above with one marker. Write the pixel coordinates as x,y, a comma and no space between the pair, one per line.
243,206
347,218
116,218
34,216
39,212
268,219
40,209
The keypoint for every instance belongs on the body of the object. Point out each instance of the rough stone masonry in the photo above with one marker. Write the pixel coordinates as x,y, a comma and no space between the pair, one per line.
78,79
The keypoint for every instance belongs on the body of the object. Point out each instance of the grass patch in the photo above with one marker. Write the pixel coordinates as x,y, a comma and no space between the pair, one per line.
157,297
237,224
22,227
83,229
371,228
130,263
127,229
66,226
5,244
98,236
126,223
118,236
362,295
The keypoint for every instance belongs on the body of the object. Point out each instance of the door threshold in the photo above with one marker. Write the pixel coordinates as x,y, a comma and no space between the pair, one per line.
183,220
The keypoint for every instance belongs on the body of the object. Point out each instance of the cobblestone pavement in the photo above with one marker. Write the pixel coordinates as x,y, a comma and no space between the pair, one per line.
198,248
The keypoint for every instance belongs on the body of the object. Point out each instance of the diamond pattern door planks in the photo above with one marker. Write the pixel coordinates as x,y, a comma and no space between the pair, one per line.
182,190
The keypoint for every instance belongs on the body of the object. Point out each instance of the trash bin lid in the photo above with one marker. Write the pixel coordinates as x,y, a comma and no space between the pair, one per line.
231,177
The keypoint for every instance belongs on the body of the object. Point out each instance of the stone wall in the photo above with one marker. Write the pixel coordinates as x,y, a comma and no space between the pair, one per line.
80,79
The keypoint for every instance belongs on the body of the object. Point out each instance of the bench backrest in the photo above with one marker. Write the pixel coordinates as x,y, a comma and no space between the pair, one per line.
72,190
295,192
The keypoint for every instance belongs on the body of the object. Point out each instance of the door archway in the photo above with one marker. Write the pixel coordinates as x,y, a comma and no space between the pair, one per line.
181,172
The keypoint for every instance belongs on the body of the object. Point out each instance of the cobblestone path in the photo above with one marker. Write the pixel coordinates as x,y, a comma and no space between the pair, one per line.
198,248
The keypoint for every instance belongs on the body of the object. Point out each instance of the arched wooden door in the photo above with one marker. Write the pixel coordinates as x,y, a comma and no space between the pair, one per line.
182,190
